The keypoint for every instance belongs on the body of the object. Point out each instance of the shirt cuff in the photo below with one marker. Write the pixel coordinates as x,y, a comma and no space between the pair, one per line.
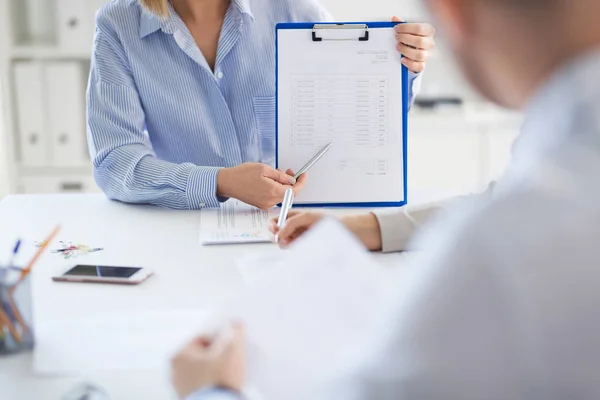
213,393
396,229
414,86
202,188
413,75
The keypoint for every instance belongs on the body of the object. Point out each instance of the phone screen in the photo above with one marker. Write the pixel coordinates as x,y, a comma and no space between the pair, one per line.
102,271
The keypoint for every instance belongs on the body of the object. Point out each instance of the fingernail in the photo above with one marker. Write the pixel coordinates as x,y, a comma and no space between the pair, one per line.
292,180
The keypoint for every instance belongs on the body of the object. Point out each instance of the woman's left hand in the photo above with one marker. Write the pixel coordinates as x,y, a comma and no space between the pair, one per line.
414,42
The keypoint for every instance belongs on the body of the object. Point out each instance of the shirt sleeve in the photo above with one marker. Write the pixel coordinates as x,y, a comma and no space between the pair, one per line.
214,393
125,165
399,226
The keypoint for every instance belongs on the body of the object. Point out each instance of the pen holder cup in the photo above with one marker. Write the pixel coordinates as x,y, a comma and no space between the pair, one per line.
16,334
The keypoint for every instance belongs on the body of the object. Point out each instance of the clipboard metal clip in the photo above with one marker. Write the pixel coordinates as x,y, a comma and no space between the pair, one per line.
361,27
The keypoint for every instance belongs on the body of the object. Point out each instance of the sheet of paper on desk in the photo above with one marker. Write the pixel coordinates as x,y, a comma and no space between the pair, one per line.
304,321
235,222
128,341
258,266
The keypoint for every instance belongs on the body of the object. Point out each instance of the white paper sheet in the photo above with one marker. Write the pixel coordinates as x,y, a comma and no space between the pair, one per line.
304,320
258,266
349,93
235,222
128,341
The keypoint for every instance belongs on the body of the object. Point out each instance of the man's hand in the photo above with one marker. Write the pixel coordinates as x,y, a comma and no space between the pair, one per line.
257,184
365,227
414,43
295,225
210,362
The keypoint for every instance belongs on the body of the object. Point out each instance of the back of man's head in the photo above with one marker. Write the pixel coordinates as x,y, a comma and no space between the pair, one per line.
508,48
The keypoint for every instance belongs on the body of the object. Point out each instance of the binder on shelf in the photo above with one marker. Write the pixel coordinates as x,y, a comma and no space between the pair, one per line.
65,100
30,114
343,83
76,22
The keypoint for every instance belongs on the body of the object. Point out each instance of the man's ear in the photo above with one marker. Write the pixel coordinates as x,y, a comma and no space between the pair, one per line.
453,17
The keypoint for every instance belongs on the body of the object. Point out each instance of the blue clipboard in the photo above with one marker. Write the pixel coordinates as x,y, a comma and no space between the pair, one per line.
405,108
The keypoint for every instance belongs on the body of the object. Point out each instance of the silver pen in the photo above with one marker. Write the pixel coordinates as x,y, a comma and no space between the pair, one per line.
286,205
312,161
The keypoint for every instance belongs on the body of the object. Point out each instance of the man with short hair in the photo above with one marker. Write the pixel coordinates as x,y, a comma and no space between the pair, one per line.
504,304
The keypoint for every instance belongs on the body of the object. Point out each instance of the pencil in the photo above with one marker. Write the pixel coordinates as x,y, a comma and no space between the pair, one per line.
16,313
4,320
37,255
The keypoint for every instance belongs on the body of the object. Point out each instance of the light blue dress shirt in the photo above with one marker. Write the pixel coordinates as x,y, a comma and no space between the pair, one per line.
161,123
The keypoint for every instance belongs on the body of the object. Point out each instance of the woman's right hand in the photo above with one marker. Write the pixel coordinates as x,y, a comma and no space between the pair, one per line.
257,184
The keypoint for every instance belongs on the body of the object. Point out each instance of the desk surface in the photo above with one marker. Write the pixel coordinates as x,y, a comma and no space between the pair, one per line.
187,276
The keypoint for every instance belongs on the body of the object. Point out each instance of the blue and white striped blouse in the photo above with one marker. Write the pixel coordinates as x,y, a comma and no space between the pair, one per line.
161,123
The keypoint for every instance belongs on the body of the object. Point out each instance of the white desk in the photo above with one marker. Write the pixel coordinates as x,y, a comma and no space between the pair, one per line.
188,276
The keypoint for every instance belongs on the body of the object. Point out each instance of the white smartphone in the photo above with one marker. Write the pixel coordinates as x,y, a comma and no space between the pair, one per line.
105,274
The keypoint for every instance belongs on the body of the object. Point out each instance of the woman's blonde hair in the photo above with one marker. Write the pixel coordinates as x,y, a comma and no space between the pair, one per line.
157,7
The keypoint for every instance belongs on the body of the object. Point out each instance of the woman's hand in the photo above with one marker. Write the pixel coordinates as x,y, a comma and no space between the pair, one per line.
257,184
365,227
208,362
414,43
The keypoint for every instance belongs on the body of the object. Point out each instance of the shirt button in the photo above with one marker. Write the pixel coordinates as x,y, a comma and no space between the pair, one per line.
219,75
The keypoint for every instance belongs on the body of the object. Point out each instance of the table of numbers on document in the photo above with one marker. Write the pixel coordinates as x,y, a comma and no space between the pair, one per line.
347,110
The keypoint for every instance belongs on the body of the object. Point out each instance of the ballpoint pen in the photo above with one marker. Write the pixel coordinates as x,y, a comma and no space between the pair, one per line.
14,253
312,161
286,205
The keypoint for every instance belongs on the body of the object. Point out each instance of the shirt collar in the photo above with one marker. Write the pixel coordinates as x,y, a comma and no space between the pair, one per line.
150,23
244,7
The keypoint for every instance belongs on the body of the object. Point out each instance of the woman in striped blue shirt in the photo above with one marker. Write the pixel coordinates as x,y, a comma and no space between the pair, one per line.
181,98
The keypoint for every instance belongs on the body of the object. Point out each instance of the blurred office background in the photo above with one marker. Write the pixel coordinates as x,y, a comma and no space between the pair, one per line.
457,142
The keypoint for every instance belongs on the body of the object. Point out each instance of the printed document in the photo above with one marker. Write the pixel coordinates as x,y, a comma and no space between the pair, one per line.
348,93
235,222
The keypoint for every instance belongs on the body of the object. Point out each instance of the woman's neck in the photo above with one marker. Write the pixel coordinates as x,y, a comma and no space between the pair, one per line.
197,10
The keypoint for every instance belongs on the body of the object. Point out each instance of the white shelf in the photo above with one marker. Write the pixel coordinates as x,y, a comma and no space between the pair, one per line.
48,53
43,37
